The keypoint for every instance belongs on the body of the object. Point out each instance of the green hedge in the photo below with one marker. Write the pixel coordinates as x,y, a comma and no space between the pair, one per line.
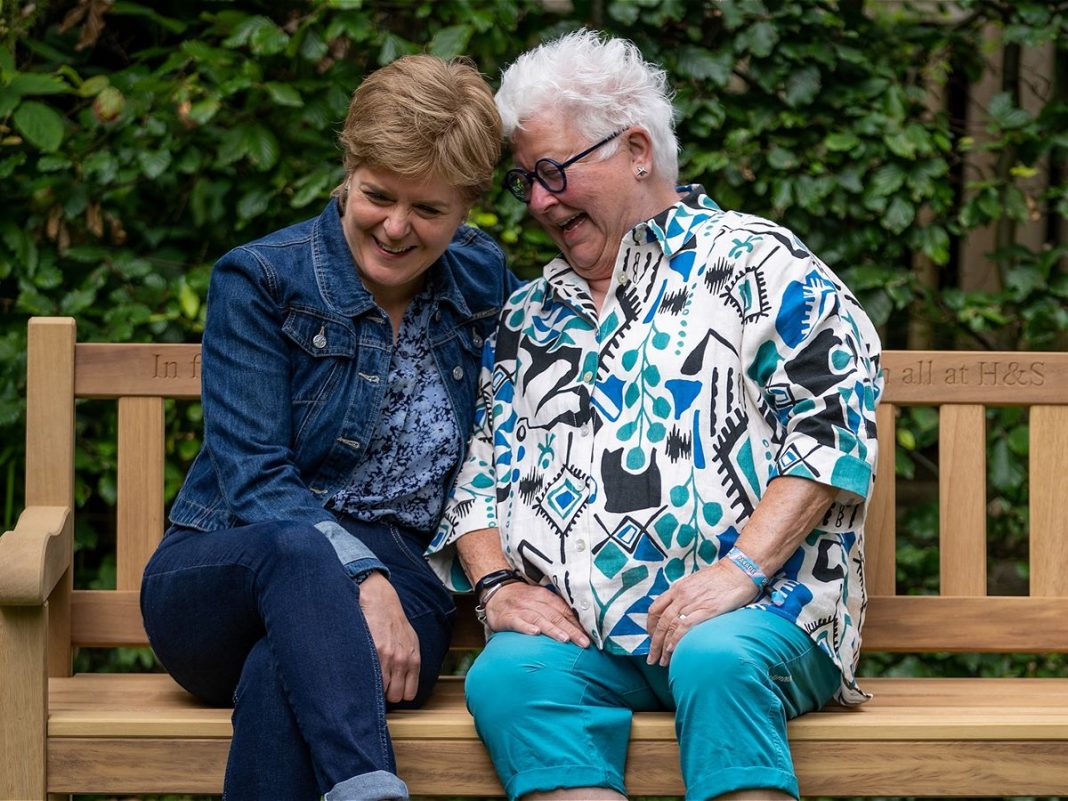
139,142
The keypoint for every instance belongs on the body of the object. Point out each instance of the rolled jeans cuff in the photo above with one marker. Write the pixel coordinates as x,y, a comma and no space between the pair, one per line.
378,786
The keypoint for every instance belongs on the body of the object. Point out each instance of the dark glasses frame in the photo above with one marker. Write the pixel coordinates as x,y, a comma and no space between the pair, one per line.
521,183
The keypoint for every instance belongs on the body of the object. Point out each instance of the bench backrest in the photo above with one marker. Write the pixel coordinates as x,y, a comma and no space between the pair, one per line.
961,384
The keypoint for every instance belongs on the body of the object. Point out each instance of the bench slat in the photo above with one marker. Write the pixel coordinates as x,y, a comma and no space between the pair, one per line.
1049,522
962,500
880,531
871,768
106,370
914,623
931,378
993,624
140,487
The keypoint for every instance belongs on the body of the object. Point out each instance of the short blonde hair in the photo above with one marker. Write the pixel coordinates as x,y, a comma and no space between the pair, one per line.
422,116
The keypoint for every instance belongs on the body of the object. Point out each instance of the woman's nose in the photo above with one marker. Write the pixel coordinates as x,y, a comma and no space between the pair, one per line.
396,224
541,198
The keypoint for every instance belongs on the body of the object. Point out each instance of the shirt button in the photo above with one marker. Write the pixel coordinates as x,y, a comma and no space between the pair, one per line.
585,429
624,279
584,605
580,546
588,377
457,372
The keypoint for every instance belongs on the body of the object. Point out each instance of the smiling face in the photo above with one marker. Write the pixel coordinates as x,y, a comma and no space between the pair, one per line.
397,227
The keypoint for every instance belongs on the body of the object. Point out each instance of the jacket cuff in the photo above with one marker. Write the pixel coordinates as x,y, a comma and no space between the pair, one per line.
356,558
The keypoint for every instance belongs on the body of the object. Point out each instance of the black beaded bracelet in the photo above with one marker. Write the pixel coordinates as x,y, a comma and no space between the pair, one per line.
495,578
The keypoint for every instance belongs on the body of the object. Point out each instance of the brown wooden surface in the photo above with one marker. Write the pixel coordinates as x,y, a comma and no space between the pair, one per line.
154,706
23,695
923,623
966,737
880,527
105,370
140,488
1048,474
924,736
993,379
962,500
50,412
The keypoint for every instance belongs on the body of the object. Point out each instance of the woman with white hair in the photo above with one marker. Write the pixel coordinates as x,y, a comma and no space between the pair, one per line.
663,503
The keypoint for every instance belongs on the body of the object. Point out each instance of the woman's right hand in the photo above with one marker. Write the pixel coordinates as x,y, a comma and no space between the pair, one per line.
532,609
395,639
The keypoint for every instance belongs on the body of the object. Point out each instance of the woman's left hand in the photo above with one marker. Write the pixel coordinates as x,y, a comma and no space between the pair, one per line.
395,640
711,591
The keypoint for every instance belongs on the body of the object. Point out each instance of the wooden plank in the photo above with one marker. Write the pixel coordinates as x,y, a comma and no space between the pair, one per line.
1049,522
912,623
105,370
23,699
983,377
50,412
461,767
140,522
924,623
922,768
962,499
106,619
880,528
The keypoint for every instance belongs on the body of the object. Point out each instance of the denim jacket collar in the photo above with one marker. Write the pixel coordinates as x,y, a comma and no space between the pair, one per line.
343,290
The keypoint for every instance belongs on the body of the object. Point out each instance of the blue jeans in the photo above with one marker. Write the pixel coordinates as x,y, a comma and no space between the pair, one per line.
554,715
263,617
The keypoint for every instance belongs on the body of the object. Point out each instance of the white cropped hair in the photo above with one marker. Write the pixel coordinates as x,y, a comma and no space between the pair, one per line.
598,85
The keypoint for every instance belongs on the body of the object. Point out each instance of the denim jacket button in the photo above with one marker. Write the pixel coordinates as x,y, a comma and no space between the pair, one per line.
457,372
477,340
437,316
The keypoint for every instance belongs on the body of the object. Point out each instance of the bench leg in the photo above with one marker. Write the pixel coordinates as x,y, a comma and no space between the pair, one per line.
24,699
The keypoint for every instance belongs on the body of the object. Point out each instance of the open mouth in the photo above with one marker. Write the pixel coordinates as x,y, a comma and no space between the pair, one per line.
393,251
571,223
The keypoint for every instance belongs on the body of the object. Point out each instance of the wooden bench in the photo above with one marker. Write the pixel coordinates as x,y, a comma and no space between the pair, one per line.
142,734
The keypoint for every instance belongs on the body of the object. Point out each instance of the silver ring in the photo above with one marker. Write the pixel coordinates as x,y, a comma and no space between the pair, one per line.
682,616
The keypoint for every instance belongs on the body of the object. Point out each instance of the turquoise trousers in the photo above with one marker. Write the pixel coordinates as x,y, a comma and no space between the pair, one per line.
554,715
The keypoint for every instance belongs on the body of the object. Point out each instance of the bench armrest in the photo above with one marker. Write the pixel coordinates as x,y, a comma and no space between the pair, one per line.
35,555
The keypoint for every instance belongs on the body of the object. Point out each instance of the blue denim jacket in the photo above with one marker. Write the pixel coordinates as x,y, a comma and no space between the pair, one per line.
296,357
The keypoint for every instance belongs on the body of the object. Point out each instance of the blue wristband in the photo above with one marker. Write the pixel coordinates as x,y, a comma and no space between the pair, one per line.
748,566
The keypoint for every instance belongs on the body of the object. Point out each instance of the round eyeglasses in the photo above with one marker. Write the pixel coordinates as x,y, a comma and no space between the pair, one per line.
550,174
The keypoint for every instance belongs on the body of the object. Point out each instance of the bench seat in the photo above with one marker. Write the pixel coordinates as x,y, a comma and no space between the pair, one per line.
1007,735
141,734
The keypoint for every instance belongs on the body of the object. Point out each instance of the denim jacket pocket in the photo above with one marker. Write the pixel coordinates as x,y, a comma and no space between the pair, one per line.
320,335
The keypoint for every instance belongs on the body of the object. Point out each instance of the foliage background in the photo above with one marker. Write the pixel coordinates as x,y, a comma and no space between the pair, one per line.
140,141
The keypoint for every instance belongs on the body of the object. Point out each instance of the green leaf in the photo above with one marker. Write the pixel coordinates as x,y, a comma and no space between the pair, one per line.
802,87
253,203
93,86
284,95
841,141
1006,114
188,300
899,215
705,65
261,146
36,83
887,180
41,126
154,162
451,42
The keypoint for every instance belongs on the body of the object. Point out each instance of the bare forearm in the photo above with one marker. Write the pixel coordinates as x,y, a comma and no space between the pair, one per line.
789,510
481,553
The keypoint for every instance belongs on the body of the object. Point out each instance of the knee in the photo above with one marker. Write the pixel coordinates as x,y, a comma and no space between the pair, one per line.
511,675
711,663
295,545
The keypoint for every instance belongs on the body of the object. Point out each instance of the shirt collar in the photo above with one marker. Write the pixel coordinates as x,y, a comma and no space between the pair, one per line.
672,229
676,225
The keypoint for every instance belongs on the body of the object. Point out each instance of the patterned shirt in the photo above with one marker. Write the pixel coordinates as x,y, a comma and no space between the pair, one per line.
402,478
618,452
